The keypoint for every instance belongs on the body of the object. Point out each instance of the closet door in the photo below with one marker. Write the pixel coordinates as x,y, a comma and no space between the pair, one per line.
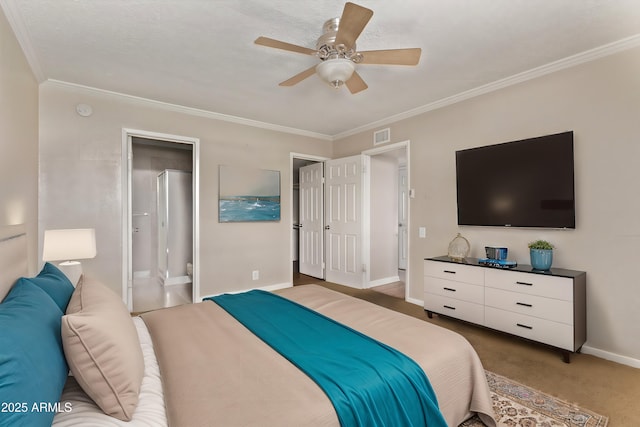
311,212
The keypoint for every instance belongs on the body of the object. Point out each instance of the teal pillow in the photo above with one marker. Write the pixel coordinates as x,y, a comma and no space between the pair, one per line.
33,369
55,283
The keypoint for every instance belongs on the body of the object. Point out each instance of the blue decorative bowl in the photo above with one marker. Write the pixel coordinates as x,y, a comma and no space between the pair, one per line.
541,259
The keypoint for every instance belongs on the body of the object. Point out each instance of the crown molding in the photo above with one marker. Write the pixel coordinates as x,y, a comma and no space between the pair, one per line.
552,67
22,35
192,111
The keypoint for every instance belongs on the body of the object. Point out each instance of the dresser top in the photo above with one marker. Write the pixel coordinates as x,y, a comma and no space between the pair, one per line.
560,272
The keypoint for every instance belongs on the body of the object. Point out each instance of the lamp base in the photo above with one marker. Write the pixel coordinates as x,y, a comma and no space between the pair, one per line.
71,269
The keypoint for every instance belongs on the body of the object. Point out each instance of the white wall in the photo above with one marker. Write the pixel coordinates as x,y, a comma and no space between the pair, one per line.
600,102
18,141
81,175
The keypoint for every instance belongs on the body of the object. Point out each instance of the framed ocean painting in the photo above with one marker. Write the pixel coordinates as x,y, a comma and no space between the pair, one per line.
248,194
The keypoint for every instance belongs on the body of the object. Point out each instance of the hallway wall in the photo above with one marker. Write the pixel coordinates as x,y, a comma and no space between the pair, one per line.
384,220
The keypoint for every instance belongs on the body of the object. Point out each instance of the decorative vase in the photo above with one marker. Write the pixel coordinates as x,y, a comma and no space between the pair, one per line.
458,248
541,259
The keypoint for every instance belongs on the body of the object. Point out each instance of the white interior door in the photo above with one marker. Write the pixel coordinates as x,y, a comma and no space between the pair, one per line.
344,221
311,219
403,194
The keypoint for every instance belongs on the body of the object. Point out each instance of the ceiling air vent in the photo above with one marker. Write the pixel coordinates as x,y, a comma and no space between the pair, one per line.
382,136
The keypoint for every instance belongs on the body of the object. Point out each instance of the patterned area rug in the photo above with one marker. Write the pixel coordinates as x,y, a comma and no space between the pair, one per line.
517,405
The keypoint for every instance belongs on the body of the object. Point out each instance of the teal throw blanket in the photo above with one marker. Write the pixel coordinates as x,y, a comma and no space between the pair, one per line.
369,383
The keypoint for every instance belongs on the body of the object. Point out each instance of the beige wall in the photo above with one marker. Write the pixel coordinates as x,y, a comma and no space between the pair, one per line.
18,141
600,102
81,172
384,219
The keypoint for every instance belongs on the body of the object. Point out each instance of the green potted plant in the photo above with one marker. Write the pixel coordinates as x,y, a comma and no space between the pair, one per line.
541,253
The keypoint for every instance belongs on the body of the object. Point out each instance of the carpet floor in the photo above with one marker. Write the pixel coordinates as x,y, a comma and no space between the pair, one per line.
602,386
393,289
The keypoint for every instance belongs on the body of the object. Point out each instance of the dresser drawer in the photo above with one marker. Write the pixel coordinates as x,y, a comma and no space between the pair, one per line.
531,305
541,330
453,271
532,284
463,310
452,289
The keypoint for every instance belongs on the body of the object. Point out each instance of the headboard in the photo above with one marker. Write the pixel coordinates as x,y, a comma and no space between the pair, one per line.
13,256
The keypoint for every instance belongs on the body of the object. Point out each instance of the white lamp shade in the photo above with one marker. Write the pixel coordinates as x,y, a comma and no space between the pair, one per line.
69,244
335,71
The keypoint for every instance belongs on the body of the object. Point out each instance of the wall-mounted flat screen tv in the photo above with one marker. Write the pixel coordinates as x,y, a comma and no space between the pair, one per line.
526,183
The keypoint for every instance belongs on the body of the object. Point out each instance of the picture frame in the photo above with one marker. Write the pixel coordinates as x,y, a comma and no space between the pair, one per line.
248,194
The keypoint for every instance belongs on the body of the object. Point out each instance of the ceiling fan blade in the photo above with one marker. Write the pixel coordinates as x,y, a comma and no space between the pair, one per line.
299,77
266,41
353,20
392,56
355,84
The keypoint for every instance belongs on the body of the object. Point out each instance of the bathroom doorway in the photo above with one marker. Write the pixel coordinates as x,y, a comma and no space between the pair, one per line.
161,256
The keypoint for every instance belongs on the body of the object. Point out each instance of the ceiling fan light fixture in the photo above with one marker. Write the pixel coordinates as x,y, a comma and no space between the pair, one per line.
335,71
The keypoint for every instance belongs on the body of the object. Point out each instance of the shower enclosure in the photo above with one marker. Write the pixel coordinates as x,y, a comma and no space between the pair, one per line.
175,225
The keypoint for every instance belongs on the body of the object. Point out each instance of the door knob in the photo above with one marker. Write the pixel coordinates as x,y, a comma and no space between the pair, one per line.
327,227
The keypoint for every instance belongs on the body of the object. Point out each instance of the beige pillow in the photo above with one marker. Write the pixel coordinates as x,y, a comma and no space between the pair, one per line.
102,349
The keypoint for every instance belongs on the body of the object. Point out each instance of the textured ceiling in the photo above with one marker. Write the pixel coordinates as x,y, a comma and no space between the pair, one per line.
200,53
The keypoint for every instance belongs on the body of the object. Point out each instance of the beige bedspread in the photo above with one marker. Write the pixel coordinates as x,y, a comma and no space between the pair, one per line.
217,373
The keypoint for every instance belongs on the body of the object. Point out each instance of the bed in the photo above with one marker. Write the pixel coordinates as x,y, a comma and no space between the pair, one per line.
195,365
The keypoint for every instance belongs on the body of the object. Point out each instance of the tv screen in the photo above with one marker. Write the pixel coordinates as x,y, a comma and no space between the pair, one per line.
526,183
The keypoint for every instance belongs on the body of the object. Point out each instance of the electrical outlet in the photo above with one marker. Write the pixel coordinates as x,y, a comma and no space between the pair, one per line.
422,232
255,275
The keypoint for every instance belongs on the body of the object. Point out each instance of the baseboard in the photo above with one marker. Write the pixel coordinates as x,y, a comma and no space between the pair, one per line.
415,301
618,358
276,287
384,281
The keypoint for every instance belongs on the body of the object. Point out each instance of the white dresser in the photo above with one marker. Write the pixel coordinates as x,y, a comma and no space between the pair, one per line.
547,307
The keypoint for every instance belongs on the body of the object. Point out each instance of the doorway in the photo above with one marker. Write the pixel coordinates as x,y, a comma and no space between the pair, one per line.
385,218
389,220
161,221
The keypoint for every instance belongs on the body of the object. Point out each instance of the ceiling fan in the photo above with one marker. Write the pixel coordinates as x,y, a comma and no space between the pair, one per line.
336,48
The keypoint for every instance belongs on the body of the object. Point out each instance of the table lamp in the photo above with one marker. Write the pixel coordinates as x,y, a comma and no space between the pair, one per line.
69,245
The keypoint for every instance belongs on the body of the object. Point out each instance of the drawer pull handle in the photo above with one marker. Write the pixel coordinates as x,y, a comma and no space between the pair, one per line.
449,289
524,304
524,326
449,271
524,283
449,307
